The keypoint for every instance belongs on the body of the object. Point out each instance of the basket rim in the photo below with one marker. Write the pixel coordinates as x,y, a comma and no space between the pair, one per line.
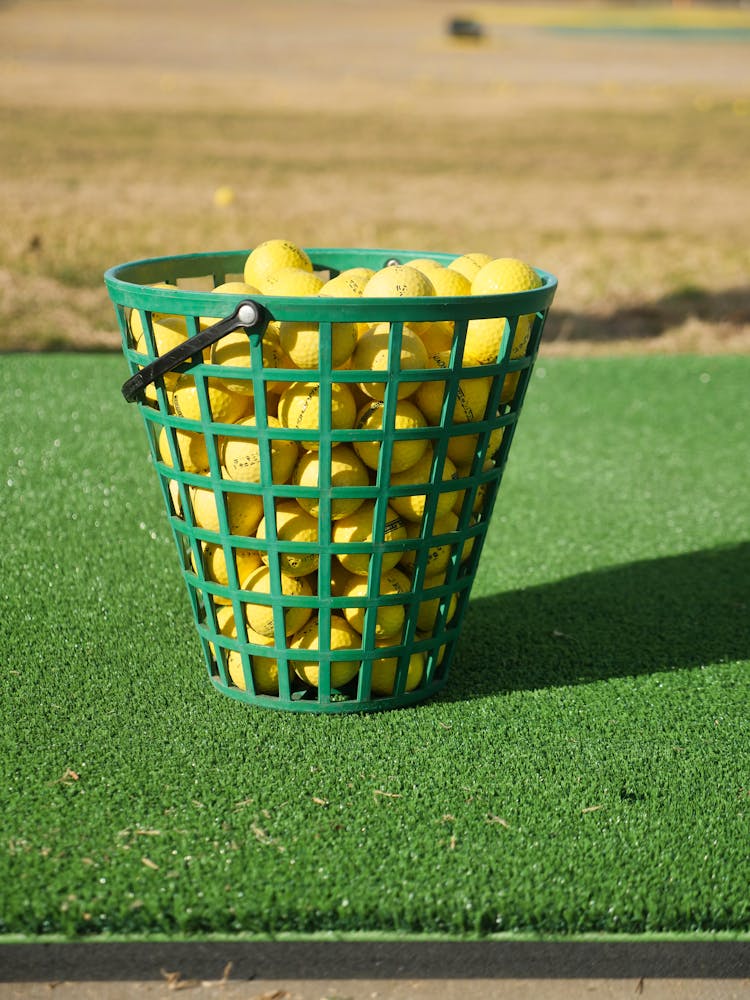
130,285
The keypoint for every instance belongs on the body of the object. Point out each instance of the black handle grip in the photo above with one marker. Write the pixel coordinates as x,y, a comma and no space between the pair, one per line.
247,316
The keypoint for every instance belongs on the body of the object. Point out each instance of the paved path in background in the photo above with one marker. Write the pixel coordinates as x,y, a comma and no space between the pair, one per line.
394,53
390,989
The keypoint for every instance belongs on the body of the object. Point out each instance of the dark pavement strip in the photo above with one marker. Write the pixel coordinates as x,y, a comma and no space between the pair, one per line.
311,960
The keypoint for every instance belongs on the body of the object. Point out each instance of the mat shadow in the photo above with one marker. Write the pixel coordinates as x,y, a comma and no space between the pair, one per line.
662,614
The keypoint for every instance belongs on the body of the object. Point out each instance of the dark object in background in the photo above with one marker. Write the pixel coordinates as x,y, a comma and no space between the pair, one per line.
465,27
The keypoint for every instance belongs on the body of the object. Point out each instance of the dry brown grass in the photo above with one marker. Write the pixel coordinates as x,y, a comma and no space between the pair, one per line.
619,166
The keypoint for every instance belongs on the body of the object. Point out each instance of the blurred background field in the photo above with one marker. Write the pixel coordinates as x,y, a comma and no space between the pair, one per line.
607,144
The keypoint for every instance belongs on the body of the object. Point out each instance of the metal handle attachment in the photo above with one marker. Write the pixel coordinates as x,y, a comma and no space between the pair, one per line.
248,315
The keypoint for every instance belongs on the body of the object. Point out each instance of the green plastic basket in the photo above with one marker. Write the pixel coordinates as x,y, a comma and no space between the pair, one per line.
237,577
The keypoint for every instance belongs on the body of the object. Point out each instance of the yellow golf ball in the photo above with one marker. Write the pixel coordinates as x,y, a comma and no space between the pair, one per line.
469,264
265,672
225,622
485,337
358,527
373,352
438,338
400,281
272,255
302,343
169,332
404,453
191,447
293,524
226,288
503,275
447,283
426,265
241,457
347,469
226,407
463,447
291,281
481,493
471,394
223,196
429,609
244,510
389,618
438,555
347,285
233,351
384,672
342,636
500,276
260,616
412,505
214,562
299,408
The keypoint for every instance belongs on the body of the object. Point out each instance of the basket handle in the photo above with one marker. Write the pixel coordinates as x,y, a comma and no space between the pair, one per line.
248,315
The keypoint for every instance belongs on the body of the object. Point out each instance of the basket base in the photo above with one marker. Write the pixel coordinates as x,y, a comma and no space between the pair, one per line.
339,703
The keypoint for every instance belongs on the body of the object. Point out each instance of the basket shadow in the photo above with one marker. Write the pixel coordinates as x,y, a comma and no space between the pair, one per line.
651,319
671,613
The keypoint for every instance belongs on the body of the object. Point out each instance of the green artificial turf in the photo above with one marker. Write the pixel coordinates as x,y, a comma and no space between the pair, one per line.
586,768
